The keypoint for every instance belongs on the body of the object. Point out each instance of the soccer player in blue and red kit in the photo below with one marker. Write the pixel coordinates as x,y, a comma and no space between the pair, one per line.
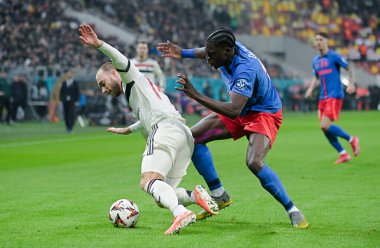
327,69
254,111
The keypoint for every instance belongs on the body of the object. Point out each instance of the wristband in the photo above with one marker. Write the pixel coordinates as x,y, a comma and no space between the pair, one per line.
188,53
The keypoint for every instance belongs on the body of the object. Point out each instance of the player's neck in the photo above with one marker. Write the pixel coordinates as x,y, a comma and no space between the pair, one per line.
323,51
229,62
142,58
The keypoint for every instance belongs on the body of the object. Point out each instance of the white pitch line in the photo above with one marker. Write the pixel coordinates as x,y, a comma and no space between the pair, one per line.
41,142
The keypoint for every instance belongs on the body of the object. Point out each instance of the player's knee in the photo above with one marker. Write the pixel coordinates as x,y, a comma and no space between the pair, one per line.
147,177
255,164
143,182
324,127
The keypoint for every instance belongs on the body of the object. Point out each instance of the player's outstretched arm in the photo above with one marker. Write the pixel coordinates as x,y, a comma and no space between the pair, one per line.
88,37
119,130
126,69
171,50
230,109
125,130
309,90
351,79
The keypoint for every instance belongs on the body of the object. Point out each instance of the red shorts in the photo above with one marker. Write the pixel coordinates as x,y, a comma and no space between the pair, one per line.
330,108
254,122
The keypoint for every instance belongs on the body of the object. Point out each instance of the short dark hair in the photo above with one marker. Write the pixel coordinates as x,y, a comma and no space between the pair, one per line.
143,42
323,34
222,36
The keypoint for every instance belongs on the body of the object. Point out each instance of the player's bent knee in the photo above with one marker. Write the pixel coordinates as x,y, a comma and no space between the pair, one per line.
324,128
255,165
142,184
147,177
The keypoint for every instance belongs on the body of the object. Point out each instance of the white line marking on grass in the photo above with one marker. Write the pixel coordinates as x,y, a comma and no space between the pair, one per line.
41,142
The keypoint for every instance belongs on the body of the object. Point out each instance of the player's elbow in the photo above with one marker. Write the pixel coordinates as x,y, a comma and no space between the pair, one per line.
233,113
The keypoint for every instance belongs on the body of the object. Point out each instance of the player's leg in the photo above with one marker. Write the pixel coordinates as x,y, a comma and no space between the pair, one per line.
325,124
330,112
154,169
258,148
186,197
337,131
181,157
163,155
208,129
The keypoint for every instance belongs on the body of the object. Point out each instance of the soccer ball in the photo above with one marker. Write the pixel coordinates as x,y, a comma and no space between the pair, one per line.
124,213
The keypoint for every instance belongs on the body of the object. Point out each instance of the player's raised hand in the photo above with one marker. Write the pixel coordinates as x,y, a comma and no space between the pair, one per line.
124,130
88,36
188,87
169,49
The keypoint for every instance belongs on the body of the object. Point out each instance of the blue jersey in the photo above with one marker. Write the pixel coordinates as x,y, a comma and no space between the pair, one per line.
327,69
247,76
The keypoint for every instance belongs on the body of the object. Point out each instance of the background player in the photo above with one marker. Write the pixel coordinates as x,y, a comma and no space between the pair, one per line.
326,67
148,66
254,111
169,145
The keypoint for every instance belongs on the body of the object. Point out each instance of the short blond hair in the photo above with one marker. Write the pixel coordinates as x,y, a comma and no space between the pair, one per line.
107,67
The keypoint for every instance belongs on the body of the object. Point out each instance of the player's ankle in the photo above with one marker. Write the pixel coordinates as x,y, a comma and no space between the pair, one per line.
179,209
293,209
217,192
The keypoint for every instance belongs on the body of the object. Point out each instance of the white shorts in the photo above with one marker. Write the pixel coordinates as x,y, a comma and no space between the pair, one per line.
169,148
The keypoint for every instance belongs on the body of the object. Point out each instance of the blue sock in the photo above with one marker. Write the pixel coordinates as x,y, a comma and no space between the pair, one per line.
270,181
334,141
338,132
204,164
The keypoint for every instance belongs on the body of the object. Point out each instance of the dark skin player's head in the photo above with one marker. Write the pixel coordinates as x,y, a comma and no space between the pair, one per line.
220,48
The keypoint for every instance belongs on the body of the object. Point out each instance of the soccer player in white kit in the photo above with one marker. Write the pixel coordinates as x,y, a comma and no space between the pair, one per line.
148,66
169,141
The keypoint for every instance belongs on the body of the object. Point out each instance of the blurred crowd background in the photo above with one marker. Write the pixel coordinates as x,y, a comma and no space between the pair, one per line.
39,43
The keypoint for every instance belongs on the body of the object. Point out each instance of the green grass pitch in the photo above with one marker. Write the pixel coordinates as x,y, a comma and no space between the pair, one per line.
56,189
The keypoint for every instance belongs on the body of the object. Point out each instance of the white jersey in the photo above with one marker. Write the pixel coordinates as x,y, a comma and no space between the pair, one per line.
152,70
147,103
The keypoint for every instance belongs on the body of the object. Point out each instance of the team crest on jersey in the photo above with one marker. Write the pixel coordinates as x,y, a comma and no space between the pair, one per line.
241,84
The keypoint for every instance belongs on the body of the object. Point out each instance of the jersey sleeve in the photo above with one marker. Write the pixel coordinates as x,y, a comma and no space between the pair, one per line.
244,84
127,70
340,61
135,126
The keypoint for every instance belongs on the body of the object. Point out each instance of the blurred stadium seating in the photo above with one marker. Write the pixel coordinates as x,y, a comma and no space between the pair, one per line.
39,39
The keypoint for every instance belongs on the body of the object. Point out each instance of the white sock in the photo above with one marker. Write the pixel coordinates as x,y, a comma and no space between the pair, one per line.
179,210
217,192
343,152
184,198
351,138
163,193
293,209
